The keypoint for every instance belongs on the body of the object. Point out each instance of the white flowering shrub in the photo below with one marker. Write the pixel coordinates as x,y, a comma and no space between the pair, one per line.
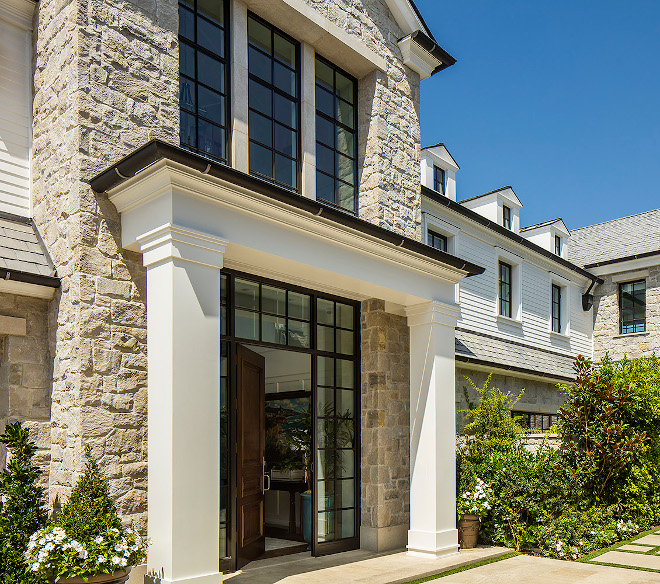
51,554
477,501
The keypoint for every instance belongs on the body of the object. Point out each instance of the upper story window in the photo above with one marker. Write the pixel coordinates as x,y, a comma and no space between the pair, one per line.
204,76
558,245
632,307
336,137
274,104
556,308
505,290
436,240
506,217
439,179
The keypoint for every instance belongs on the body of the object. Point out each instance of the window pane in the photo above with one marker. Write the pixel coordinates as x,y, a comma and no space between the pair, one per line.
187,94
345,373
284,79
259,35
259,65
346,403
325,160
325,311
210,72
345,465
261,129
299,305
325,373
273,329
325,187
211,139
324,75
345,169
325,338
298,333
187,60
325,102
186,23
285,111
273,299
246,294
260,98
188,132
345,316
261,160
345,113
285,170
325,132
213,9
285,51
344,87
247,324
210,36
285,141
345,142
346,197
345,495
211,105
325,464
344,342
325,407
326,495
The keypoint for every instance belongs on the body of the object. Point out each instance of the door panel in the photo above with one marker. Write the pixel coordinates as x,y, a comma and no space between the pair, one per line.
251,436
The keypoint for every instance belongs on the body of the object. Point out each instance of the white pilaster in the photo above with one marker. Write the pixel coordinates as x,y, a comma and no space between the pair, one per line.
183,335
433,530
239,87
308,120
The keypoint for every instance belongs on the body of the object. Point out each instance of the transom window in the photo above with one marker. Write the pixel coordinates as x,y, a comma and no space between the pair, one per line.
541,422
556,308
506,217
505,290
436,240
558,245
439,179
632,307
274,104
336,138
203,80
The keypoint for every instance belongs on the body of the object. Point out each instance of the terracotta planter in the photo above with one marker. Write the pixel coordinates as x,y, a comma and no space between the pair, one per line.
118,577
468,531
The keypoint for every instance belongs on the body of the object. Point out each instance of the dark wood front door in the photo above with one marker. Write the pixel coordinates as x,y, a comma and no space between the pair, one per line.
251,437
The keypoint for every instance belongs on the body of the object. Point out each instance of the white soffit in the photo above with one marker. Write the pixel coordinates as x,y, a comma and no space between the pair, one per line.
405,16
26,289
19,12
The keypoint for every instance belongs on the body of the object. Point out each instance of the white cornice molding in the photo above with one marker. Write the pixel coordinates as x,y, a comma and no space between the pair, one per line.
417,58
404,15
26,289
173,242
433,312
18,12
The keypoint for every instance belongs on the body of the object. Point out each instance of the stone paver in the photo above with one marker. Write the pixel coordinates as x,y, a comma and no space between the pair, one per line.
648,540
625,559
548,571
355,567
635,548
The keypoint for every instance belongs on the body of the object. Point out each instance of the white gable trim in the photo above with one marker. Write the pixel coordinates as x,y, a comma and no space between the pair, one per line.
405,16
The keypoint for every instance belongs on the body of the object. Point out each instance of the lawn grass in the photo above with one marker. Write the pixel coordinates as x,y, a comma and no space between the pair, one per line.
476,564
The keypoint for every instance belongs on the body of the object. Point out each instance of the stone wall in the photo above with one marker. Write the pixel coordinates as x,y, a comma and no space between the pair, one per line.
388,119
385,440
25,374
105,82
606,320
538,397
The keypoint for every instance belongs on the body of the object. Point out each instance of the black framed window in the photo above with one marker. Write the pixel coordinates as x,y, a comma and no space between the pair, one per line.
533,421
436,240
439,180
336,136
558,245
506,217
204,77
274,104
632,307
505,290
556,308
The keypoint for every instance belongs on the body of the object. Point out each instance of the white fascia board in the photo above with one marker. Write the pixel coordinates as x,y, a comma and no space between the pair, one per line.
405,16
440,157
26,289
18,12
625,266
510,196
417,58
272,238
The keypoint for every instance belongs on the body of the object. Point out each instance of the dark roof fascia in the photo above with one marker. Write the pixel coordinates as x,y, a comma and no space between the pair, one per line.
470,214
465,359
486,194
421,18
637,256
27,278
156,150
434,49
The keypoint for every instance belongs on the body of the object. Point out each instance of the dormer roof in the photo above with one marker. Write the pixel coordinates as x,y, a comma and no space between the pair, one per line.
556,223
439,153
505,192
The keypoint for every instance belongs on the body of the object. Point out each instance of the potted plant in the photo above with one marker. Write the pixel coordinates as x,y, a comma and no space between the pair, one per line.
472,506
87,541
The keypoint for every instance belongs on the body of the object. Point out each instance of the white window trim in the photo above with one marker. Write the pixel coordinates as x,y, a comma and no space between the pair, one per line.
436,224
516,286
564,308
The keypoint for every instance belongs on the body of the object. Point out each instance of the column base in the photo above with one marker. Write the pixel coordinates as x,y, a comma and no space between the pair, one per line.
433,545
383,539
215,578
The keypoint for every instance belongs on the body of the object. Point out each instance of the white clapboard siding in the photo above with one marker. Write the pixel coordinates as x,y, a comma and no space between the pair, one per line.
15,118
478,294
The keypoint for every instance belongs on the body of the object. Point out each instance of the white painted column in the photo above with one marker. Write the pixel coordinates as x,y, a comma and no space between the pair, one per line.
433,530
183,345
239,87
308,120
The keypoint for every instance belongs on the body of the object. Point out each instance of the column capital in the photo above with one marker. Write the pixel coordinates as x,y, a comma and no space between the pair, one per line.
169,242
432,312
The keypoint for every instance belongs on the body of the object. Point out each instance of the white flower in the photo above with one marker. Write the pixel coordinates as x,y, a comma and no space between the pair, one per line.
100,559
83,554
123,562
98,539
34,567
115,560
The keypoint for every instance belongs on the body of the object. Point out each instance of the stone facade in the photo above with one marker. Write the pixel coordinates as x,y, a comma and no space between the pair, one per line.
539,396
26,373
606,320
105,82
388,119
385,426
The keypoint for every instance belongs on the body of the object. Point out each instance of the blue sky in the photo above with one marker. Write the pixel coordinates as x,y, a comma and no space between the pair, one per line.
559,99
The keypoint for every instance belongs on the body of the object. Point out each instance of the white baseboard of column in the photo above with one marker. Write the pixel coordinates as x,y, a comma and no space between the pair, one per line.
215,578
383,539
432,544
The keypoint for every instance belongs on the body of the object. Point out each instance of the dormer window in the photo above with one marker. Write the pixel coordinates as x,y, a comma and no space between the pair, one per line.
436,240
439,180
558,245
506,217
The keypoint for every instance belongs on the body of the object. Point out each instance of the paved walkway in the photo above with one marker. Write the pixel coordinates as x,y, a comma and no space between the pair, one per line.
643,552
355,567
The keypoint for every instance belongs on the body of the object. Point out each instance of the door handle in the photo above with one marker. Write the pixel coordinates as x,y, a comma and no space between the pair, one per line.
266,478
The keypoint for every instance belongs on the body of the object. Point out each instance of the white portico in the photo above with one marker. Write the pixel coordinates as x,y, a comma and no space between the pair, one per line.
189,224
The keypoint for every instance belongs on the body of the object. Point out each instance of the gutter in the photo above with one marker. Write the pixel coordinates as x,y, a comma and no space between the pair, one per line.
637,256
27,278
434,49
156,150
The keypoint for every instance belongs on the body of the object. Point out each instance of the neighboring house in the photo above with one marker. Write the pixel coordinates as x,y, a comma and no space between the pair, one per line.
625,253
228,192
523,319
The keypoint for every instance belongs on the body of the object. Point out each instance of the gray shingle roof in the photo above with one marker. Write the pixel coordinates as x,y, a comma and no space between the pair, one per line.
21,248
619,238
489,349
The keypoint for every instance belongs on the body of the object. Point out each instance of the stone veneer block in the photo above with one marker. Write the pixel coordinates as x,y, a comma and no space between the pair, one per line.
626,559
